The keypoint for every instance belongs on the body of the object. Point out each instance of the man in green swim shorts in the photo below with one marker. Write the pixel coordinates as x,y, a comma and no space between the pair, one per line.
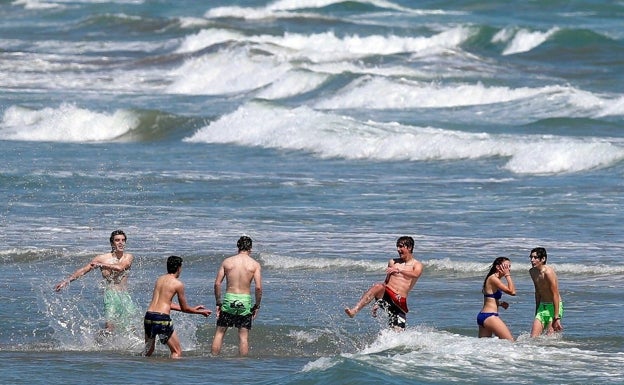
236,310
115,268
548,302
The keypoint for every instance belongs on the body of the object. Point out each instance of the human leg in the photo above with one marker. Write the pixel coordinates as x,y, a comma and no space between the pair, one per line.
537,328
543,319
217,340
174,345
375,292
484,332
496,325
243,343
149,346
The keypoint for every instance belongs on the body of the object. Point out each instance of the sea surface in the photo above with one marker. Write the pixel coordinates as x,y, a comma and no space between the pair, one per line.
323,129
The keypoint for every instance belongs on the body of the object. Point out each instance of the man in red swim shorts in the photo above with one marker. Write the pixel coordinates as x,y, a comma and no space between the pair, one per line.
391,295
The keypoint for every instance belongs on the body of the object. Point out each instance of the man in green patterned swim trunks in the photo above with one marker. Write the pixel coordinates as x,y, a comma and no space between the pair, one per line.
236,310
548,302
115,267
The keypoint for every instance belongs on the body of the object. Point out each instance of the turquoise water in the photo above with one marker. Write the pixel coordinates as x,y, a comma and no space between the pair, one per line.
324,130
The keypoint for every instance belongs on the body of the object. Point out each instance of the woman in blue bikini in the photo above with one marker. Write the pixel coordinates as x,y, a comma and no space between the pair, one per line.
493,288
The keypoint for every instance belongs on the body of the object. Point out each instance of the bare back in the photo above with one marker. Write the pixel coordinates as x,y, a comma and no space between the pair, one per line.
240,270
165,288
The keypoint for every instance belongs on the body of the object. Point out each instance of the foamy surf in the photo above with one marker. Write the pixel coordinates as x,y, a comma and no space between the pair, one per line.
329,135
67,123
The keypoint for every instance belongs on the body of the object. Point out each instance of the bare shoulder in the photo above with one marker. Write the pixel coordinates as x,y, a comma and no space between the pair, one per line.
168,280
550,272
418,266
102,258
229,261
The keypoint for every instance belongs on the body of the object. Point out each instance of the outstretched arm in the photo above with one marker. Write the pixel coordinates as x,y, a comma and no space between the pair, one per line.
185,307
77,274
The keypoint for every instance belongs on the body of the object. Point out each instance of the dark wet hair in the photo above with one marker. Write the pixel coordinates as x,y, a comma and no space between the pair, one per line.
173,263
541,253
407,242
497,262
244,243
112,237
117,232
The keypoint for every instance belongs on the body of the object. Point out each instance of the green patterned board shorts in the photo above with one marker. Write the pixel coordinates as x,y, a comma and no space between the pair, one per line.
118,307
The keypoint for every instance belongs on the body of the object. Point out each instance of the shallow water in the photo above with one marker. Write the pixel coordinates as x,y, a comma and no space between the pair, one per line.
324,130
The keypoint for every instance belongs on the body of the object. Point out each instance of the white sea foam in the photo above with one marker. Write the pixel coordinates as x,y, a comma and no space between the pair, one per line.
327,46
403,93
36,4
292,263
433,266
329,135
521,40
292,83
247,66
425,351
227,72
67,123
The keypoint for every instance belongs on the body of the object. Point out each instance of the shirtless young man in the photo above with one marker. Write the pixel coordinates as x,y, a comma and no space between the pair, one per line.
115,267
548,302
391,295
157,321
236,310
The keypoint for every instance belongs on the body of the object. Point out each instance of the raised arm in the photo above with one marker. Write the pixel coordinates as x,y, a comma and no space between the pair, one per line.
509,287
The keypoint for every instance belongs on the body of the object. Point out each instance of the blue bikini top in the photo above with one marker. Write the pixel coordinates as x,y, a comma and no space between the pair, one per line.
498,294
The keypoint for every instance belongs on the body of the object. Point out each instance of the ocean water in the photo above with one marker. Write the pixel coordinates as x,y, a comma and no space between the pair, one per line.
324,130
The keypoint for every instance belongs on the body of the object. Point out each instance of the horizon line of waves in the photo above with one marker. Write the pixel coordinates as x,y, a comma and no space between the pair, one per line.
417,352
335,136
433,266
328,46
301,8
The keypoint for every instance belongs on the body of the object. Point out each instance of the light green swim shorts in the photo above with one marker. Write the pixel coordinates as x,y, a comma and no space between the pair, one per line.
237,304
118,306
546,312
